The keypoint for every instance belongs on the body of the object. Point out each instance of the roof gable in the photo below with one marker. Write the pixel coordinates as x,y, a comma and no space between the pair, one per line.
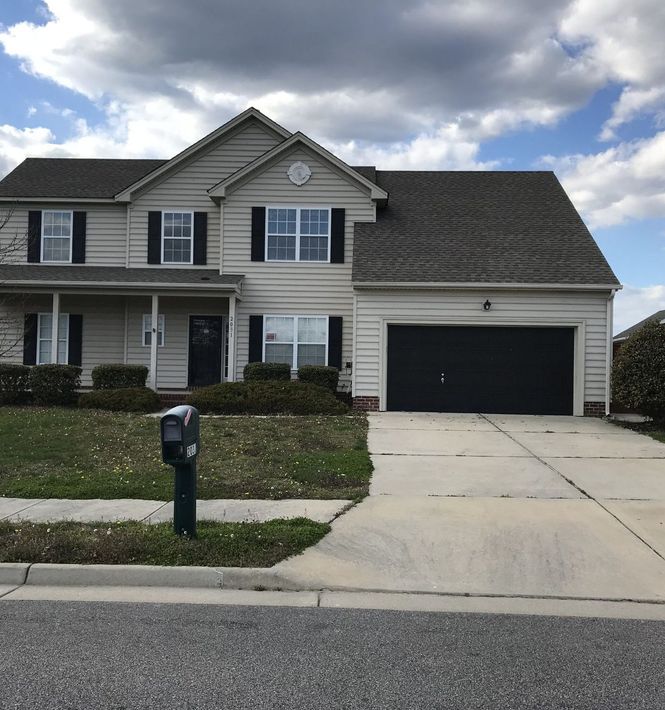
168,166
222,188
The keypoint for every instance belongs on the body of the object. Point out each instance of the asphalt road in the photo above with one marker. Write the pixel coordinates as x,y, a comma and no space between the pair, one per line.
85,656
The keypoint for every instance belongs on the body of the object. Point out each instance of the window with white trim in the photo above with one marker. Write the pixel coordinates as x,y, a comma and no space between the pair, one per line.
297,234
295,340
57,236
147,330
45,338
177,237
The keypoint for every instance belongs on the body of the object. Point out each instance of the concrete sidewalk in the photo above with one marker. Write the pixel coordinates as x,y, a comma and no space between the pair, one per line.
500,505
156,511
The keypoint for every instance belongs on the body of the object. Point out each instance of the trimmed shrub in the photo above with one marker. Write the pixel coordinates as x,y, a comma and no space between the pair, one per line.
55,384
255,371
113,377
321,375
638,374
223,398
125,399
14,382
268,397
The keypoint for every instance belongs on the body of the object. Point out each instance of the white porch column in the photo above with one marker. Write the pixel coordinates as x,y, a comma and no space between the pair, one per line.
154,323
232,339
55,327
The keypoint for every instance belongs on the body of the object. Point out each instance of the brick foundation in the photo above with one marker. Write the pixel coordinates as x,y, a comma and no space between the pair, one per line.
172,399
594,409
367,404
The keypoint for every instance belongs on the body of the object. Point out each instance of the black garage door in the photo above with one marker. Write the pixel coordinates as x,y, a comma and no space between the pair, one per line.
474,369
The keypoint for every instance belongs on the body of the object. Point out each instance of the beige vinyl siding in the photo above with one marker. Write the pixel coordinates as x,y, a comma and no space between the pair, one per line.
376,308
172,358
187,188
103,327
13,308
106,231
293,288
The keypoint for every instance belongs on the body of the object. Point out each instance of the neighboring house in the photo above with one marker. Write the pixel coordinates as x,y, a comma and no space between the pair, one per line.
442,291
624,334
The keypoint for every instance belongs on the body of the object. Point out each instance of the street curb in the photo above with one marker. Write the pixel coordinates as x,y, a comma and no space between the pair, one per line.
13,572
123,575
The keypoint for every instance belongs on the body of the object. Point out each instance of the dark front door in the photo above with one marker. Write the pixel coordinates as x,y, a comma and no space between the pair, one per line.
205,350
480,369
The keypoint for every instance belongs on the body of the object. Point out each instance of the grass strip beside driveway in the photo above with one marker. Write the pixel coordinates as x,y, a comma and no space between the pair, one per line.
217,544
652,429
71,453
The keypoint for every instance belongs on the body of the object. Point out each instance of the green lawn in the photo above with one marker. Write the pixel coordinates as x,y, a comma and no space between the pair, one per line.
217,544
71,453
655,431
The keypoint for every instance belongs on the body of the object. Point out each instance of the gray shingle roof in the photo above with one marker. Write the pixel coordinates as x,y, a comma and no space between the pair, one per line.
470,227
658,315
74,177
102,275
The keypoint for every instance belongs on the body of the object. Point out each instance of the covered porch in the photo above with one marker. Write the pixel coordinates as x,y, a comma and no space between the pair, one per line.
180,323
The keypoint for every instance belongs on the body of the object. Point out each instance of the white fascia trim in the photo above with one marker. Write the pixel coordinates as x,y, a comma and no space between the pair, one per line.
126,194
481,285
220,189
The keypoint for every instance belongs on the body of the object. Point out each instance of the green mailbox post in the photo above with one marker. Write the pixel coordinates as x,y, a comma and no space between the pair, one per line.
180,447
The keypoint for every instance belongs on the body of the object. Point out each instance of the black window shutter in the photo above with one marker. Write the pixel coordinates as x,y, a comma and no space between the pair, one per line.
335,342
30,339
78,235
75,339
200,238
154,237
34,236
258,233
337,218
255,339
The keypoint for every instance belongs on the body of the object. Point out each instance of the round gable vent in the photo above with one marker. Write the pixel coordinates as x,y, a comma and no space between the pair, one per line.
299,173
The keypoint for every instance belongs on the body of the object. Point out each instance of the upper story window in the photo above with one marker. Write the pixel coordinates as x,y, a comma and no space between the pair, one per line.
56,236
177,237
297,234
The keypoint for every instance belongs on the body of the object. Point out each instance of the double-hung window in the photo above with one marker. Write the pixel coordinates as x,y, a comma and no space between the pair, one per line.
297,234
45,338
296,340
177,237
57,236
147,330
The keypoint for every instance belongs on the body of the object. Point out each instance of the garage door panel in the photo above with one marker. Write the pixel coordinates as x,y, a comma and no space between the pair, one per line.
499,370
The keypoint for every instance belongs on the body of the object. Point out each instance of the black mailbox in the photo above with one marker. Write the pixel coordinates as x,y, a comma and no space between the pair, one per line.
180,435
180,447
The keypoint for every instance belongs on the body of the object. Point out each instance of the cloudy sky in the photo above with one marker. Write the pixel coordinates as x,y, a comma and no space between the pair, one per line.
577,87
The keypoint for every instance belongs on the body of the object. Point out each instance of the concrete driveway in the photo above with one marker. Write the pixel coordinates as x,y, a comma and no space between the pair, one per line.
501,505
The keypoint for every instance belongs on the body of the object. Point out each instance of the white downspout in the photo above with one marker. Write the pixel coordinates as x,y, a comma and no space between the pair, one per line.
609,354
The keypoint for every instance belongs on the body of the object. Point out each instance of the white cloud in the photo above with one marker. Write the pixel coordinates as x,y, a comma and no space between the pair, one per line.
479,72
625,40
633,304
624,182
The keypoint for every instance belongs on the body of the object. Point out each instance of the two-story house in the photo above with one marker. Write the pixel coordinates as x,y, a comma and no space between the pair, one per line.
430,291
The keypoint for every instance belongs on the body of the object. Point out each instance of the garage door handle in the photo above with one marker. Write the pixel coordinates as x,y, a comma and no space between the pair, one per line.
443,378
